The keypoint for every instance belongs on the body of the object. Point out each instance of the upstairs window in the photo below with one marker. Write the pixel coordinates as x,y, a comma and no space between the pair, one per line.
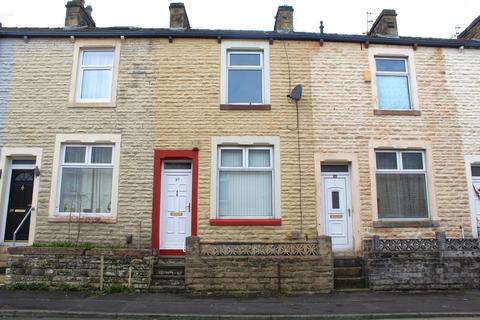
95,75
393,83
401,184
245,77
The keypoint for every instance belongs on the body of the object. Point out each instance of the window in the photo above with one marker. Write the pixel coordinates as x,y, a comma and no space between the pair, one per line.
245,77
393,83
95,73
86,179
245,74
245,182
401,184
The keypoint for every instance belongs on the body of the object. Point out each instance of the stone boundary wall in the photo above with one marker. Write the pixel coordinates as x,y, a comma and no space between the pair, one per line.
85,269
242,268
422,264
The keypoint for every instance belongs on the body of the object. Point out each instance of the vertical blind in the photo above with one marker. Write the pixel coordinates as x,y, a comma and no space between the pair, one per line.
245,183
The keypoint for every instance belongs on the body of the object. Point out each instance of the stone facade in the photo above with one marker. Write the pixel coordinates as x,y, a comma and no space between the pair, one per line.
295,267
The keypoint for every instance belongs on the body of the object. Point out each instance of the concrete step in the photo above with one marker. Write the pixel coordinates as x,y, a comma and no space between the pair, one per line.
168,282
170,261
177,271
347,262
167,289
350,283
347,272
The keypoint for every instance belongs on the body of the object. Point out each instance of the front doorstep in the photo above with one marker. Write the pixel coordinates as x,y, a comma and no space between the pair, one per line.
171,252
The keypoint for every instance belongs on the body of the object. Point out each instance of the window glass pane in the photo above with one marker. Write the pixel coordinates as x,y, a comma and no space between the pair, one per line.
23,161
177,165
96,84
335,200
75,154
101,154
231,158
334,168
386,160
476,171
390,65
97,58
412,160
86,190
258,158
250,59
402,196
393,92
245,194
245,86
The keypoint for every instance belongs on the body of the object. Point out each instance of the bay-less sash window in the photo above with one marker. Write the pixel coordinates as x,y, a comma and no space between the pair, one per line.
95,75
401,184
392,83
86,179
245,187
245,77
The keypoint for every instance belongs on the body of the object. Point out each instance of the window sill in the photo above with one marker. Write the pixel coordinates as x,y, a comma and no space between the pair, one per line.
407,224
379,112
245,107
245,222
83,219
91,105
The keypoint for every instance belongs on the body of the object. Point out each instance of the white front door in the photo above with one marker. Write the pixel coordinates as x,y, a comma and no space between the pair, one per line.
337,211
175,211
476,184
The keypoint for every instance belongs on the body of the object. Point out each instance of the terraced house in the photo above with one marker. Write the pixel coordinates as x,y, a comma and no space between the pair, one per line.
144,138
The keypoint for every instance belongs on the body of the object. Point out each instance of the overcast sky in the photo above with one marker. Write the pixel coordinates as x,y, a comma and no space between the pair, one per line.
423,18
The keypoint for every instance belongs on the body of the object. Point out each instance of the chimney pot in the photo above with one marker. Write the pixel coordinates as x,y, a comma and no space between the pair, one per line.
77,15
472,31
385,25
178,16
284,19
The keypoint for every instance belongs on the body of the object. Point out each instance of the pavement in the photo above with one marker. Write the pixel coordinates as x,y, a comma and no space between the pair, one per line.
17,304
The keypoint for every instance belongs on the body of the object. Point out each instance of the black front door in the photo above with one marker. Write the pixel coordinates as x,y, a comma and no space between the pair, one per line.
19,202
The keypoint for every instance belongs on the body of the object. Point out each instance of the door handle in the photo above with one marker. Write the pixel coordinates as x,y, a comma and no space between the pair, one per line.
348,210
188,206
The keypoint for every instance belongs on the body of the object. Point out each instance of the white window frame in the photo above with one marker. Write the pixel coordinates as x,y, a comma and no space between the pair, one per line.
84,45
402,74
89,140
271,143
245,168
86,164
406,54
82,68
246,47
400,170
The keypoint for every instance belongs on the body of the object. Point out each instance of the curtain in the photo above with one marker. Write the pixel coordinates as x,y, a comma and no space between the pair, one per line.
393,92
246,193
96,84
86,190
402,196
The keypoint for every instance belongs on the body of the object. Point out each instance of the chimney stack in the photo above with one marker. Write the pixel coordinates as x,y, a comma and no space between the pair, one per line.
472,31
385,25
77,15
284,19
178,16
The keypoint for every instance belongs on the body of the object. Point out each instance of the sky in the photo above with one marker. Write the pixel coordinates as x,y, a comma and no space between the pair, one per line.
419,18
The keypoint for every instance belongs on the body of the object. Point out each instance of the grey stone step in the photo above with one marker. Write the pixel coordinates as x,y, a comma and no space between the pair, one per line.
169,272
168,282
349,283
168,276
171,261
347,272
167,289
346,262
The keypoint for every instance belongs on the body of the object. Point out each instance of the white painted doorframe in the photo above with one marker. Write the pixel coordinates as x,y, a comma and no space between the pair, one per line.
175,224
347,210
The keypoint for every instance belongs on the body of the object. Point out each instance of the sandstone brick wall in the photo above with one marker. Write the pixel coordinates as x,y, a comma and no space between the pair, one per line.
7,51
58,267
344,122
236,273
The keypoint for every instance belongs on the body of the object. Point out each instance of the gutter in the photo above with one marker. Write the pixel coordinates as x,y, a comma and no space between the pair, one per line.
247,35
